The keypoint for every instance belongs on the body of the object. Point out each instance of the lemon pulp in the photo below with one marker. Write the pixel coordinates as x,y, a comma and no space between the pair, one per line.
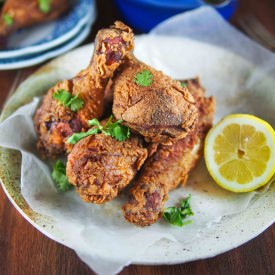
240,153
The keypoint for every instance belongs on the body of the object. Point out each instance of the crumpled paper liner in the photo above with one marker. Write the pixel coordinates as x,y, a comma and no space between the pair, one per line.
98,233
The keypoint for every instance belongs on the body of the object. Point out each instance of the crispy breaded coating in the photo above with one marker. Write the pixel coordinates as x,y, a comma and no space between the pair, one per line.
162,112
169,166
100,166
54,123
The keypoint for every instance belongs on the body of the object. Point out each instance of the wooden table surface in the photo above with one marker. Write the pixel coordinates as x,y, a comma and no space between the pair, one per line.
24,250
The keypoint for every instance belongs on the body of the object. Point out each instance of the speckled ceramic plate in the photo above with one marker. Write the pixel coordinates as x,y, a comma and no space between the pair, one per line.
231,231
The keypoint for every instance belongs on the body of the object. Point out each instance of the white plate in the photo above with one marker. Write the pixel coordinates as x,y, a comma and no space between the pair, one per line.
232,230
51,34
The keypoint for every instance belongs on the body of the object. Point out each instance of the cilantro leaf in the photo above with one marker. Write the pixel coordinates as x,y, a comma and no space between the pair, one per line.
44,5
76,103
176,215
118,131
114,129
75,138
59,177
183,84
144,78
68,100
172,215
95,122
8,20
62,96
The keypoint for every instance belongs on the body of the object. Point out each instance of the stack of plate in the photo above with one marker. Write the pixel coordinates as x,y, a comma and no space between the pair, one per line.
34,45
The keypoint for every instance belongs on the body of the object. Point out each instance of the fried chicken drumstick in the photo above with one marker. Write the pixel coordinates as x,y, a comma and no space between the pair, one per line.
160,109
169,166
100,166
54,122
18,14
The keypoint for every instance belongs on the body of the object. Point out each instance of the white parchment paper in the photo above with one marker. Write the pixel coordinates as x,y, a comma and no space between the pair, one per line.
98,233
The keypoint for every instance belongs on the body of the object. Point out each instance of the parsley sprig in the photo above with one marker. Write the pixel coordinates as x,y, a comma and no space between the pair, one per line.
144,78
59,177
44,5
8,20
68,100
110,128
176,215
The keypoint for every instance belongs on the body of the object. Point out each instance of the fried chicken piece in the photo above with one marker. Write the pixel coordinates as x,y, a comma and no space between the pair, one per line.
54,122
18,14
169,166
161,112
100,166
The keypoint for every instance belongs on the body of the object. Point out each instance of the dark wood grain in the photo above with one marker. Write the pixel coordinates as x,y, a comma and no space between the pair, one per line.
24,250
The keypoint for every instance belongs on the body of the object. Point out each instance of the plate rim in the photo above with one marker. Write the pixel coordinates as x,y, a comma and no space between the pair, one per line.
137,260
90,16
61,49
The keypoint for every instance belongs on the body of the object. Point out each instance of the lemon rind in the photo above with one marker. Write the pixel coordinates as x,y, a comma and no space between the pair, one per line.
260,125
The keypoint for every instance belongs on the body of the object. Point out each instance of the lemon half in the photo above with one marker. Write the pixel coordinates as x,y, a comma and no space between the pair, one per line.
240,152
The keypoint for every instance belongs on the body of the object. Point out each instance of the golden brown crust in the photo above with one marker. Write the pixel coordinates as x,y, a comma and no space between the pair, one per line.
54,122
100,166
162,112
169,166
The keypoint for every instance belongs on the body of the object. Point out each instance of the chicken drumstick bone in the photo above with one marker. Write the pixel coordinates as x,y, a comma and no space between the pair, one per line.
169,166
54,122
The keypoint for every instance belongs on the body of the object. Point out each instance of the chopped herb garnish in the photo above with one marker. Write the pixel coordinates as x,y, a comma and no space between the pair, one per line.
75,138
116,129
113,129
183,84
175,215
59,177
68,100
44,5
144,78
76,103
8,20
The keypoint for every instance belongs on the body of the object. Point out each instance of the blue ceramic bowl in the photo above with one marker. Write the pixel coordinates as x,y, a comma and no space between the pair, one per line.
143,15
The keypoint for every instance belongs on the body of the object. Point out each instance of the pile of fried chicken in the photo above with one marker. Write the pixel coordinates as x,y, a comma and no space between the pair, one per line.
168,119
17,14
